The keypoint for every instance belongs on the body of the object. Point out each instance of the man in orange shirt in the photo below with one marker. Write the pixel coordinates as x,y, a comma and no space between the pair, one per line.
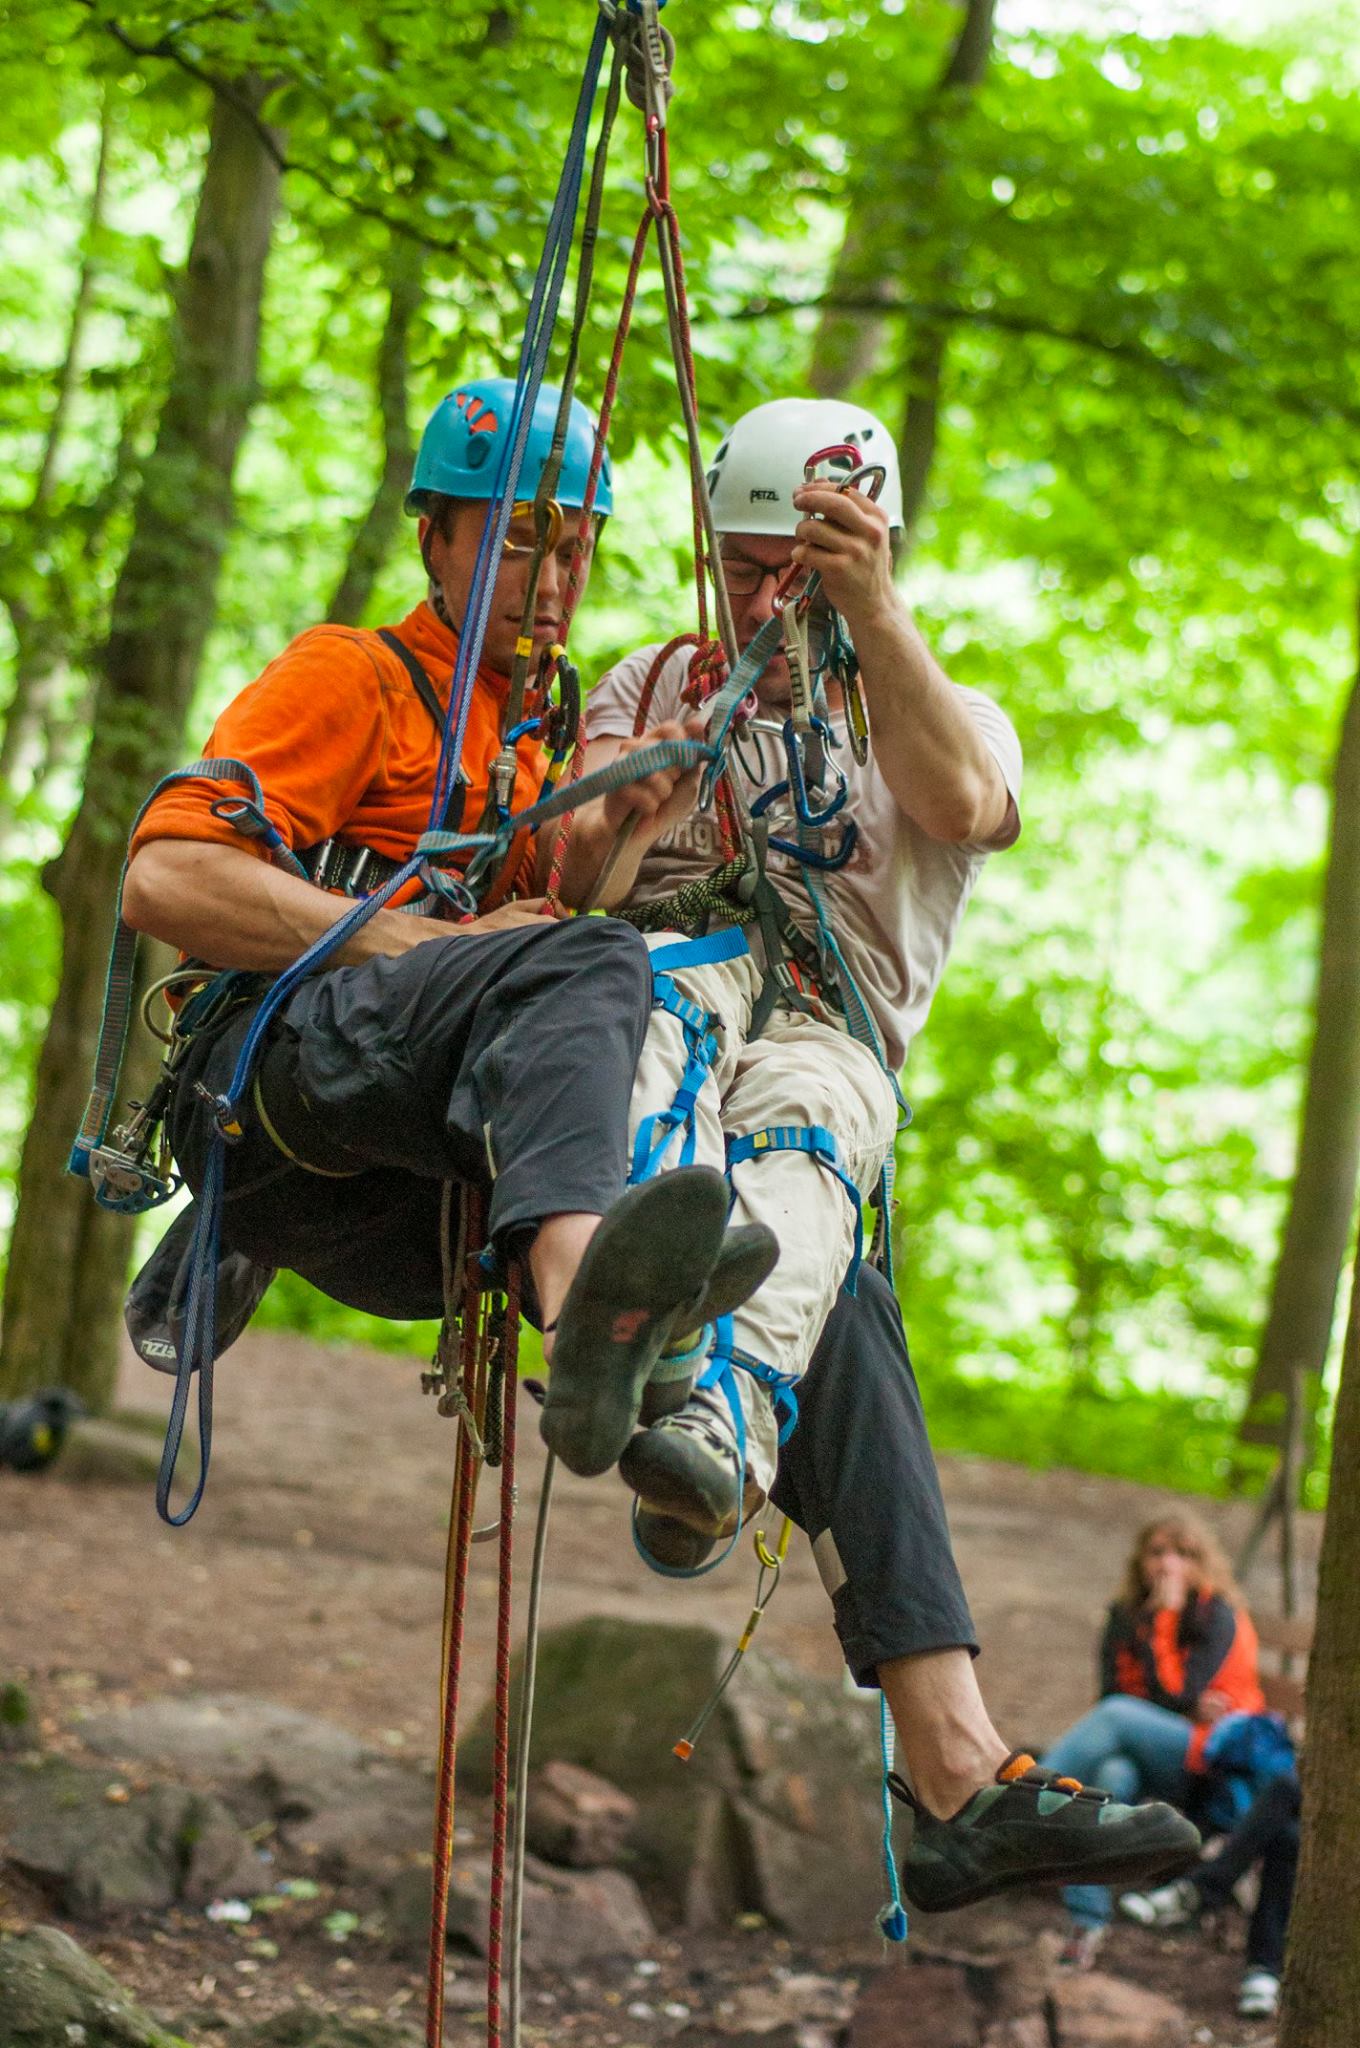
497,1053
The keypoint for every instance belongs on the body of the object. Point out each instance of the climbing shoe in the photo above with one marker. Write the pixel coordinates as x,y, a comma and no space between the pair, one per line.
746,1258
686,1471
1033,1827
652,1255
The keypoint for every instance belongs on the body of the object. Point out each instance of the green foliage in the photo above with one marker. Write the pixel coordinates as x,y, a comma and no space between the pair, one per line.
1140,535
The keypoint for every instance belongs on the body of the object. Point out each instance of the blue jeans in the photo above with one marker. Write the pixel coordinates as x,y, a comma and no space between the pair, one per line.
1131,1749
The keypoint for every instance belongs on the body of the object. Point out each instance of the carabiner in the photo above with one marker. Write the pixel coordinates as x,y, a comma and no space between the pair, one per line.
798,780
846,453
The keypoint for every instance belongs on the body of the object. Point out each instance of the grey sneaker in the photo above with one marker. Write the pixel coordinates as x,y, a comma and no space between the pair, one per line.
686,1472
1171,1905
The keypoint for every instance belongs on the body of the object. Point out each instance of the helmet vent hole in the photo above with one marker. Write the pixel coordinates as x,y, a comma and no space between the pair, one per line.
478,449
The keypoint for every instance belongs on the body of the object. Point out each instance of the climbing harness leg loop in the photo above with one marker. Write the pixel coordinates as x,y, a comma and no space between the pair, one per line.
819,1144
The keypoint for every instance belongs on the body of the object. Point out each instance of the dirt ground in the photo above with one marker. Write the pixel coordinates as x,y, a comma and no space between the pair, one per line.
312,1575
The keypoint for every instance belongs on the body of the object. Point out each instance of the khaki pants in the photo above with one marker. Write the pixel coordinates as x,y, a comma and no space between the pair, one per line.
798,1072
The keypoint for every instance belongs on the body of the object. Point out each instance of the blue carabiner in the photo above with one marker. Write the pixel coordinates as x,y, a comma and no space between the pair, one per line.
798,782
827,863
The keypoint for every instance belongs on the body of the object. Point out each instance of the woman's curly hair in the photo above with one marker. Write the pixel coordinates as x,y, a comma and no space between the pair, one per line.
1213,1573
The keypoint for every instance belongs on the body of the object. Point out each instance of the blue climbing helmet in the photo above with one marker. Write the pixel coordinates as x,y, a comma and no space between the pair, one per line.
461,445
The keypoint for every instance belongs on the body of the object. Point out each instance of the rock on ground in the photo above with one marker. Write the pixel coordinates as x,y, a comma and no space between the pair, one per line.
577,1818
907,2002
571,1917
1004,1992
52,1995
329,1795
1094,2010
98,1846
778,1811
224,1736
789,2034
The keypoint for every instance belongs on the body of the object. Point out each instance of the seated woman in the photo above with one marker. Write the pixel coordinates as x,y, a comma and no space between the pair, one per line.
1179,1651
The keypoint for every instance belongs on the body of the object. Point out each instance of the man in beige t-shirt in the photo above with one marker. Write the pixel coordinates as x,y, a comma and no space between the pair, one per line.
934,793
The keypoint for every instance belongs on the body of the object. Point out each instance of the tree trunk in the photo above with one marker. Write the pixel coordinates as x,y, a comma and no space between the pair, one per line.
1322,1975
848,345
1313,1247
41,627
929,340
68,1258
374,534
872,253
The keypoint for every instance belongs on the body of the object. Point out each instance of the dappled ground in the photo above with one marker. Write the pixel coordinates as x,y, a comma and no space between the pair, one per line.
312,1576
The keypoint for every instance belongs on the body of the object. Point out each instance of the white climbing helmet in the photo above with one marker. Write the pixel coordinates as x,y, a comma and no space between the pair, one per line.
759,465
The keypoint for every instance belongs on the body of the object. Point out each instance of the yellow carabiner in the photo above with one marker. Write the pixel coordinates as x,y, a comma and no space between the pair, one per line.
773,1559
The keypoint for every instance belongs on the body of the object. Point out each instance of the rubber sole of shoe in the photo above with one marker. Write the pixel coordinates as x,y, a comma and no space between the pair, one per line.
1153,1863
651,1255
748,1256
674,1480
673,1543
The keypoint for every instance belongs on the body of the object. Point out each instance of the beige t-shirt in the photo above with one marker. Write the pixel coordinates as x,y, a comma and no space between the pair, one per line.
896,904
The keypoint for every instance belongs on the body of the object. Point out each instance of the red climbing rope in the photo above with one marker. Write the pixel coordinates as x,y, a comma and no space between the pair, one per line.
455,1615
483,1397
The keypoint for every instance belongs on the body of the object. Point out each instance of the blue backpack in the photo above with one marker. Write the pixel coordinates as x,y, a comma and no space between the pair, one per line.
1243,1754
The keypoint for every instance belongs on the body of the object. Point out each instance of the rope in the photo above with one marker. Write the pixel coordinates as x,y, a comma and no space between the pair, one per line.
689,908
455,1616
552,468
523,1739
659,214
572,596
509,1347
542,315
892,1917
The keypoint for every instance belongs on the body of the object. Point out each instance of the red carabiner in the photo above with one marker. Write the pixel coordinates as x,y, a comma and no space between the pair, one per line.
842,454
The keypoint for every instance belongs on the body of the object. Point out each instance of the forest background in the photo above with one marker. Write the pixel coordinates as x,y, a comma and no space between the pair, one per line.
1096,264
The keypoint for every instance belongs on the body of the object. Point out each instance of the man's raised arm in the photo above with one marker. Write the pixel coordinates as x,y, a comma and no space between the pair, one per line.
929,751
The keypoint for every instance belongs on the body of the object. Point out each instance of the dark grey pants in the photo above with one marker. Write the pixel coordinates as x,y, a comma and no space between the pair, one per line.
858,1475
502,1059
1268,1835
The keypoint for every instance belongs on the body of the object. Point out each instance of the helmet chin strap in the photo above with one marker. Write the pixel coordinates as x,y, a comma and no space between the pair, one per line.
439,606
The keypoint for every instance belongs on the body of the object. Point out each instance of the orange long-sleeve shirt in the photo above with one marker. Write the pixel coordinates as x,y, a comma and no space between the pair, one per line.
343,746
1174,1657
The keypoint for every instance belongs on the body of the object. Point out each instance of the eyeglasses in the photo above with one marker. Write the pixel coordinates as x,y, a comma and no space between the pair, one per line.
744,577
